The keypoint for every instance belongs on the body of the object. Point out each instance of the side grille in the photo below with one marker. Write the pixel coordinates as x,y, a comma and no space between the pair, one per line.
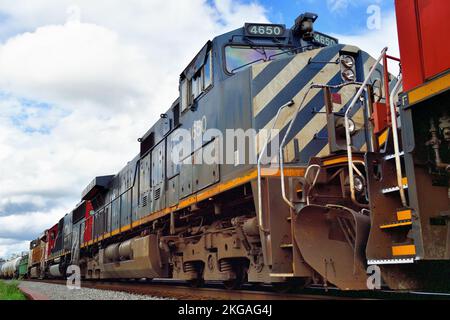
157,194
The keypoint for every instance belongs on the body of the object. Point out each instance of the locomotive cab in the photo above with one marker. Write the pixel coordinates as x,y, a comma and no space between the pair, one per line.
240,49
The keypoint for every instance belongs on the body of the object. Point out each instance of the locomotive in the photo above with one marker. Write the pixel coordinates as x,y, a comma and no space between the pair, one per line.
337,182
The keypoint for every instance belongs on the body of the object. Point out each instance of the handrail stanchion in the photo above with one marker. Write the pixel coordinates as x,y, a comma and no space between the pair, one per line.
347,124
398,165
281,157
261,154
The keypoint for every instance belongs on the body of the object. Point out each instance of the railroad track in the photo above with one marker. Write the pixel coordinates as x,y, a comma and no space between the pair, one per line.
180,290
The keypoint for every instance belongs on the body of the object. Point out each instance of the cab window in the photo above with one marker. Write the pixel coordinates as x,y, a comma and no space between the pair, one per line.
184,94
207,70
191,89
239,58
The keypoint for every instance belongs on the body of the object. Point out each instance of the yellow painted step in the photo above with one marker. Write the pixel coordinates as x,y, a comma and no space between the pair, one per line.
396,188
396,224
405,250
404,215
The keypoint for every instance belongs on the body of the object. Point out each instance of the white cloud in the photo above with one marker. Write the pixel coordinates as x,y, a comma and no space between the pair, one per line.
80,81
33,223
73,63
12,247
338,5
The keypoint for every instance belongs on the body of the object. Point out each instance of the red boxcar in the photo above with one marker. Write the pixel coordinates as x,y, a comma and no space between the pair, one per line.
52,233
423,27
88,222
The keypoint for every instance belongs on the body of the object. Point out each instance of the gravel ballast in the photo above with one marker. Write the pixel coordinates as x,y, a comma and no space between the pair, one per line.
61,292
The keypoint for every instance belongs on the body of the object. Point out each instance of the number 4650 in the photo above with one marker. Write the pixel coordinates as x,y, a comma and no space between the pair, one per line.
266,30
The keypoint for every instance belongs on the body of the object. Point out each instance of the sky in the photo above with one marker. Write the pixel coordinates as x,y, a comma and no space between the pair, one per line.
81,80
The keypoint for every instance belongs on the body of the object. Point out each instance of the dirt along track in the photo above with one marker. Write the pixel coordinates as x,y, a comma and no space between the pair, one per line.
177,290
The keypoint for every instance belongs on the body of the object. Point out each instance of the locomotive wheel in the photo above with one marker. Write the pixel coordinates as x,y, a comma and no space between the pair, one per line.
301,283
196,283
241,278
282,287
292,285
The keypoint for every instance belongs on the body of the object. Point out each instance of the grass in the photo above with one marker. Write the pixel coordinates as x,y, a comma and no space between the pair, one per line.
10,291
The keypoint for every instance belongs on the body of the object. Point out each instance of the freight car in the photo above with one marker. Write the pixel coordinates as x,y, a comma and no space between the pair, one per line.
2,262
36,257
22,271
327,189
11,268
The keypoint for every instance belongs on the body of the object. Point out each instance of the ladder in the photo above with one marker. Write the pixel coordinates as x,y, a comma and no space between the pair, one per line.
390,239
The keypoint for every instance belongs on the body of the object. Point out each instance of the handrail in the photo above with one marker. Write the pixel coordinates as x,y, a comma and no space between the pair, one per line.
263,150
347,124
314,181
398,165
311,86
283,188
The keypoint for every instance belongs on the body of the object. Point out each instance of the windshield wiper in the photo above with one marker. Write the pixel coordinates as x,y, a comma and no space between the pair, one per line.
257,49
290,50
247,64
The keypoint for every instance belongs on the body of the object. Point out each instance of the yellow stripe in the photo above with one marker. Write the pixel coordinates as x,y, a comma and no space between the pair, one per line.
404,215
405,181
258,68
383,137
341,160
306,134
409,250
394,225
252,175
282,79
126,228
288,172
433,87
324,76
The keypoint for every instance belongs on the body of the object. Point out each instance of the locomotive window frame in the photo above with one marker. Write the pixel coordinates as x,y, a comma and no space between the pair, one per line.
184,97
193,89
287,49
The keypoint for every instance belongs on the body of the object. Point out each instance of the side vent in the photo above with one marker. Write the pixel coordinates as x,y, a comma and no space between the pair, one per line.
144,200
157,194
176,115
147,143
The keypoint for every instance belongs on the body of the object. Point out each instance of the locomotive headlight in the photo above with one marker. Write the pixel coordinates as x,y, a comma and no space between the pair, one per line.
351,126
349,75
340,125
348,61
359,184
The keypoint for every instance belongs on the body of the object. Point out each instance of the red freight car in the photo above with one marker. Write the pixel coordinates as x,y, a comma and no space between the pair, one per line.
51,237
423,27
87,235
